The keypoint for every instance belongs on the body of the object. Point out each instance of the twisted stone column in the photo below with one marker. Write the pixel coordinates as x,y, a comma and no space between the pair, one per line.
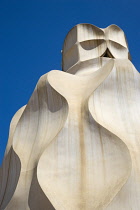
75,145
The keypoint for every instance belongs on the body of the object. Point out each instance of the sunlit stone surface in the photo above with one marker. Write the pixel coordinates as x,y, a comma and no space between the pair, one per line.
75,145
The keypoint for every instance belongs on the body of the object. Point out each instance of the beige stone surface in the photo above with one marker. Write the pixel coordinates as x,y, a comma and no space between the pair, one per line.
75,145
116,106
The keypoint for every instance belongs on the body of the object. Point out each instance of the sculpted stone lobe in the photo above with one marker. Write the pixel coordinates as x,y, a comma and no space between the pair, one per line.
75,145
87,42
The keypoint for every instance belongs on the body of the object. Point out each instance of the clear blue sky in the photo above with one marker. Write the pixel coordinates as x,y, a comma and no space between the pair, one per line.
31,37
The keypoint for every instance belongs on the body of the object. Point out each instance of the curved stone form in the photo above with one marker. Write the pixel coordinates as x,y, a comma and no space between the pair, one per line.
75,145
122,89
86,44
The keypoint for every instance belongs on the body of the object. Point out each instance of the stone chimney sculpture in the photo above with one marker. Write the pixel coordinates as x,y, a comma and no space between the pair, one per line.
76,144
